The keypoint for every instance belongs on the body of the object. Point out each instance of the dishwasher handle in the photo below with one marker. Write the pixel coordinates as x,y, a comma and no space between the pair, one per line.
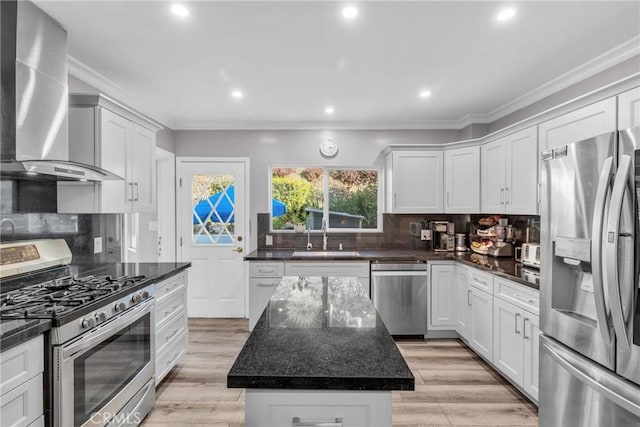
397,273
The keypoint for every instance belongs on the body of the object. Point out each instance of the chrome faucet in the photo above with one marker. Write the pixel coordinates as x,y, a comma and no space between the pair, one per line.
324,234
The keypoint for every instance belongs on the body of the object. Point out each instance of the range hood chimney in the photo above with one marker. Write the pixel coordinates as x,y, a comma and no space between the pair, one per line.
35,99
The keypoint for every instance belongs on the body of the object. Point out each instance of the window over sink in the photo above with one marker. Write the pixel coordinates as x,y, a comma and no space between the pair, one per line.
349,198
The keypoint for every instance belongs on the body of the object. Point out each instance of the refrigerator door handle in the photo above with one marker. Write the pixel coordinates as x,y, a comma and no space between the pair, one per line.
612,280
595,377
596,247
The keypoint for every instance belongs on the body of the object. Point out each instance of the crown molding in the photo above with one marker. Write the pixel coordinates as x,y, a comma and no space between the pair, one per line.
613,57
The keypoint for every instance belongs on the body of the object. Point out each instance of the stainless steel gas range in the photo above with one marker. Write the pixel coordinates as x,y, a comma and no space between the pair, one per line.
101,355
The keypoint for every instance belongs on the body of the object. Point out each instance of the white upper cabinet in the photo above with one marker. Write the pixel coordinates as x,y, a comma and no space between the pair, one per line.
462,180
118,144
629,109
414,182
586,122
509,168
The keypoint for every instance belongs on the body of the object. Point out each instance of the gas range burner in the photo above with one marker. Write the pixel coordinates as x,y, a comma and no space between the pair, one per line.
54,298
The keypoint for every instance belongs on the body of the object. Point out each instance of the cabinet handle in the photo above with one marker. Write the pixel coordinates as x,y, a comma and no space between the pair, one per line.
502,196
172,335
395,200
266,285
448,202
506,196
137,191
524,328
295,422
130,199
469,297
517,315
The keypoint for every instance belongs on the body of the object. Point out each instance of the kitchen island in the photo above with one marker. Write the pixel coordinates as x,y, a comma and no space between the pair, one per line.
319,353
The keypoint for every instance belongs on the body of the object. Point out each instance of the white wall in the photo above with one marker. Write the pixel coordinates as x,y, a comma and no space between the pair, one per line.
297,148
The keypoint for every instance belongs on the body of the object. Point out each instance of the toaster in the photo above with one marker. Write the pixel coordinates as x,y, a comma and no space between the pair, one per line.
530,255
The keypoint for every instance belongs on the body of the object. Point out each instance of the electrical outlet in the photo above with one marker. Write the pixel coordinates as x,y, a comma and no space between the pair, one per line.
97,245
268,240
425,234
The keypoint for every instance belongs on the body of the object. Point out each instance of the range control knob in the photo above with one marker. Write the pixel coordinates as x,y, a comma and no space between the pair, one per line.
120,306
101,316
136,298
88,323
145,294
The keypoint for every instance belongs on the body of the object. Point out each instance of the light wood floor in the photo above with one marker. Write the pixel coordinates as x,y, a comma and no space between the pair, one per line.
453,385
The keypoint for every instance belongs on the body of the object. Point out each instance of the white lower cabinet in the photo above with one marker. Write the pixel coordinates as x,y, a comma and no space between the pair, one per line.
172,329
481,326
277,408
463,299
21,384
442,297
516,335
264,277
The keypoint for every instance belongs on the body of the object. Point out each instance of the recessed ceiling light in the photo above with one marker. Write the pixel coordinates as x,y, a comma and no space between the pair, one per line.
350,12
237,94
506,14
425,93
179,10
329,110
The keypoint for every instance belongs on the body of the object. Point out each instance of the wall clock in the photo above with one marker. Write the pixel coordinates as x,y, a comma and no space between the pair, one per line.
329,147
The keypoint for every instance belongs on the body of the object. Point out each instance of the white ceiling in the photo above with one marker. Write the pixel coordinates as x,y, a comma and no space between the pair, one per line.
292,59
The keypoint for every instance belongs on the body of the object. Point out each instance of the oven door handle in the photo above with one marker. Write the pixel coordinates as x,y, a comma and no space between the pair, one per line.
108,329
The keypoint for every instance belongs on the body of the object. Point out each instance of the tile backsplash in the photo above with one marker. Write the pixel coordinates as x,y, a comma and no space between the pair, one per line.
78,230
396,235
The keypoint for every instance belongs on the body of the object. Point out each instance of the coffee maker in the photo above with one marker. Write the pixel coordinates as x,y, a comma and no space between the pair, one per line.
443,236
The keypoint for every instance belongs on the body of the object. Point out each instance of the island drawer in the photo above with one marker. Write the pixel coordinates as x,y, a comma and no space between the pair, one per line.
266,269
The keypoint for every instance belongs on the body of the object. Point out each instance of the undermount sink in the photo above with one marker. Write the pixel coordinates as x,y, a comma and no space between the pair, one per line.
325,253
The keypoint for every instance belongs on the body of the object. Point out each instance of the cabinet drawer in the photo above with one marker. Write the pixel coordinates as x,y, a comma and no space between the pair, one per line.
266,269
20,363
168,359
22,405
166,287
349,269
174,326
518,295
168,307
481,280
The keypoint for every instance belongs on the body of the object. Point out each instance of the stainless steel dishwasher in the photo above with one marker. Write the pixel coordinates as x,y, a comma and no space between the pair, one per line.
399,293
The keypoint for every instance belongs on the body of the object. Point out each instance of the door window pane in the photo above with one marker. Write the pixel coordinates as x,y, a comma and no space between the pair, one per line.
213,209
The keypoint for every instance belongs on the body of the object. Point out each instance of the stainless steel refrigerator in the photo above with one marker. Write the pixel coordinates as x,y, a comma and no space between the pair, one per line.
590,295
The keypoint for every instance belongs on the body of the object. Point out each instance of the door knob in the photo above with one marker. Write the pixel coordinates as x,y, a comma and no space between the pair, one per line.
238,249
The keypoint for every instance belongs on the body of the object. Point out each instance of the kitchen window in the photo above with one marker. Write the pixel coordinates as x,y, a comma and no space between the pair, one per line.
350,198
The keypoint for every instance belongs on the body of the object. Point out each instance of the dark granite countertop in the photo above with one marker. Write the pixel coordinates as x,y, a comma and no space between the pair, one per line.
507,268
320,334
16,331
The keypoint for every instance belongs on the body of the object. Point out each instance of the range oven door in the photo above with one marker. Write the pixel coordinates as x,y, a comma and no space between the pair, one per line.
106,376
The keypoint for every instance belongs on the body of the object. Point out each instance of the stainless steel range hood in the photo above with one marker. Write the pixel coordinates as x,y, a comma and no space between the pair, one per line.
35,99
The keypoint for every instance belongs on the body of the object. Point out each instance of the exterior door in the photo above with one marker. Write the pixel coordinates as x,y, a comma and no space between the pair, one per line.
212,223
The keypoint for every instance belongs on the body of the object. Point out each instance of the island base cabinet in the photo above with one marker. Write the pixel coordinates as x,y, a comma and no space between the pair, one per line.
278,408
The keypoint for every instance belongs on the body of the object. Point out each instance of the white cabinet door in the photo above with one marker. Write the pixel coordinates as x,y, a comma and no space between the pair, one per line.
416,182
493,178
629,109
143,171
462,180
113,148
464,302
260,291
586,122
481,326
521,190
531,334
507,340
442,295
